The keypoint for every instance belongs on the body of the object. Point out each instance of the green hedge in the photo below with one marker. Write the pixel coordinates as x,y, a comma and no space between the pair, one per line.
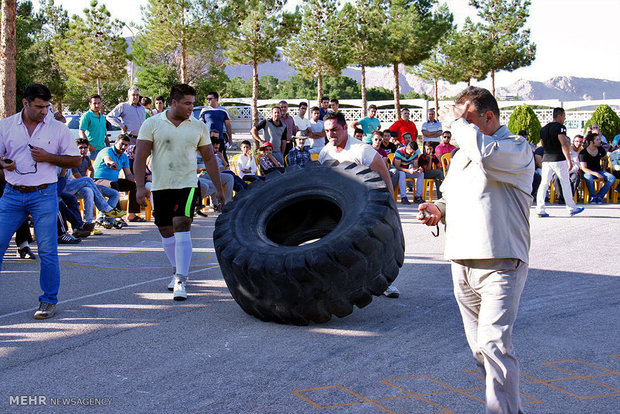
607,119
523,117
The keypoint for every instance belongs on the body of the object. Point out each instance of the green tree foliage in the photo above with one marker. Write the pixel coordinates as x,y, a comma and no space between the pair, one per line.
299,87
415,26
257,29
182,33
607,119
76,98
503,25
155,80
524,118
92,51
217,80
379,93
322,44
368,38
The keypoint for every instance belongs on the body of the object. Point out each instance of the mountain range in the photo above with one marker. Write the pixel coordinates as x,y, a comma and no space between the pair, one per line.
564,88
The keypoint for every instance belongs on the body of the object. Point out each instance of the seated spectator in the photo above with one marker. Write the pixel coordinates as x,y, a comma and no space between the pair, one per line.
238,183
573,173
616,142
317,136
358,134
23,237
593,163
387,144
431,166
267,162
596,129
405,164
246,164
407,138
84,187
207,188
614,158
404,126
68,210
445,147
300,154
110,161
369,124
377,139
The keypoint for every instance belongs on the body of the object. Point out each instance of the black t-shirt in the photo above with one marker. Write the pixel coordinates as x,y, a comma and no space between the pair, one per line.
389,148
549,136
592,162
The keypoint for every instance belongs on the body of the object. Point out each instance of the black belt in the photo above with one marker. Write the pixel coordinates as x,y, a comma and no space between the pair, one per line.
132,135
28,188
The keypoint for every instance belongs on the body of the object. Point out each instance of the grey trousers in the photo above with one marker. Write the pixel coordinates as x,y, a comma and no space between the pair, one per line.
488,293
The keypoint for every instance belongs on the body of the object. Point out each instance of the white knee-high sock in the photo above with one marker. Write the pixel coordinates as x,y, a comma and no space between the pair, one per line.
168,243
183,251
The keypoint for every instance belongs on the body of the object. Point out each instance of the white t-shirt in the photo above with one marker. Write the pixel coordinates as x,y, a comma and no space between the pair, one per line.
354,151
246,163
316,145
301,123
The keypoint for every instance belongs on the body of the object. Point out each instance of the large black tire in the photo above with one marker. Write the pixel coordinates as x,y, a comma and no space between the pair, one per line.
357,243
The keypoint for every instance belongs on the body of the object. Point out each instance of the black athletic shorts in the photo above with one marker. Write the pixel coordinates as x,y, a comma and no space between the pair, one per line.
180,202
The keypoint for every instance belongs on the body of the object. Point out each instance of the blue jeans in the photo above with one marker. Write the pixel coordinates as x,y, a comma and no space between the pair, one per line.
42,205
112,194
609,181
85,187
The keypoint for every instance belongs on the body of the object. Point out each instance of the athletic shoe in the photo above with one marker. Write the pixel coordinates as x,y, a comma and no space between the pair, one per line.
97,232
594,200
171,284
103,222
201,213
66,238
391,292
599,200
81,233
117,223
89,227
542,215
179,288
26,253
46,310
418,200
403,200
116,213
577,211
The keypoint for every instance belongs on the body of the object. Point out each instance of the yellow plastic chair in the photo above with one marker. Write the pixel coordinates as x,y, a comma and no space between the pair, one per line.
445,162
314,156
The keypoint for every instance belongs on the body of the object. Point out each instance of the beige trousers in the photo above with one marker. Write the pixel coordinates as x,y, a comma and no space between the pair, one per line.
488,293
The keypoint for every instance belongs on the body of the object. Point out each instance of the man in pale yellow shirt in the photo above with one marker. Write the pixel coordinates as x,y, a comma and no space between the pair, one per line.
172,139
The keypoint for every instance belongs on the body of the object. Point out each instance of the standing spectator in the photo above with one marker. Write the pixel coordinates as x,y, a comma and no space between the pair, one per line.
216,117
430,165
406,165
93,127
300,154
129,115
369,124
573,173
324,107
108,164
404,125
317,136
172,138
556,159
432,129
274,133
301,122
146,103
287,120
31,147
594,165
268,162
445,147
486,211
160,105
334,106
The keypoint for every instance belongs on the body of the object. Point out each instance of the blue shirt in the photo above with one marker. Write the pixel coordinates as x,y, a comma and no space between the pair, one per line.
368,126
214,118
104,172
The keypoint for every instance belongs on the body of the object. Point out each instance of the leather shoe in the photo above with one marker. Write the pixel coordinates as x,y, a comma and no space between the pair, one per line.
26,253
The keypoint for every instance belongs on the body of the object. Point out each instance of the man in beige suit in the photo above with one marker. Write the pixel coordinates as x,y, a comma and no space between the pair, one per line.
485,206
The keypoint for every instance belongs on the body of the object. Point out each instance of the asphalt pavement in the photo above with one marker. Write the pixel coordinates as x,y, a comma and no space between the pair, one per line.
121,344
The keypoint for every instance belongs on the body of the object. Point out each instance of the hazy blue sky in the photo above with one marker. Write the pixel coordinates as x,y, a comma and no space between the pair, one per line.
573,37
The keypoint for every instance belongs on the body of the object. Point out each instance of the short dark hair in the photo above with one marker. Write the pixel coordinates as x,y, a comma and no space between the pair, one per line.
37,90
337,116
217,131
81,141
557,112
303,104
481,98
377,133
358,131
324,98
407,109
315,108
373,106
413,145
215,95
246,142
388,131
275,107
523,133
448,132
336,101
282,102
178,91
123,137
94,96
590,137
146,101
160,98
